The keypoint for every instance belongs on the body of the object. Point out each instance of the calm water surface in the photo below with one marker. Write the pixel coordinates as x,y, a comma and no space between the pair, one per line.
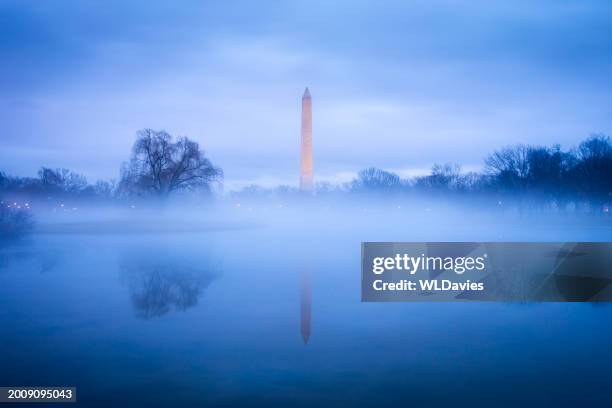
272,316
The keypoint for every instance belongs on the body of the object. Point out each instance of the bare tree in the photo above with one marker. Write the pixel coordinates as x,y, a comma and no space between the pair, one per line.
105,189
160,166
375,179
594,169
443,177
61,180
511,166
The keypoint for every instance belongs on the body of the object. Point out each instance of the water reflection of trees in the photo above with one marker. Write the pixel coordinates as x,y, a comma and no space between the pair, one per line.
15,253
160,282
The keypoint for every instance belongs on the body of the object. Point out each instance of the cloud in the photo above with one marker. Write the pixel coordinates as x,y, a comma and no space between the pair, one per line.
395,87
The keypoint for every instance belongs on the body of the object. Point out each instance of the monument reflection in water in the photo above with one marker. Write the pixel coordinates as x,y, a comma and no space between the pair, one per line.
305,304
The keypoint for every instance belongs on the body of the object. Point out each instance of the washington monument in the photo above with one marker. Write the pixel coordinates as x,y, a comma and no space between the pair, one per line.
306,178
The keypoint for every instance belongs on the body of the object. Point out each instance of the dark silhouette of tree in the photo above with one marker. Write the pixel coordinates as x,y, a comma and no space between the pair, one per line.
510,166
594,170
5,181
443,178
19,185
373,179
51,186
549,174
61,180
104,189
160,166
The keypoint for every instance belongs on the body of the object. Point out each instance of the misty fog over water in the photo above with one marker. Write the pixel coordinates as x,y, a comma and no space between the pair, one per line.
259,303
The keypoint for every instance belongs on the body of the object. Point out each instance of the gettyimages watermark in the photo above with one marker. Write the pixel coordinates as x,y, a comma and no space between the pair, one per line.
486,271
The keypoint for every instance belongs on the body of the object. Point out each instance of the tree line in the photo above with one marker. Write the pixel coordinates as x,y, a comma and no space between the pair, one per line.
525,176
519,176
159,165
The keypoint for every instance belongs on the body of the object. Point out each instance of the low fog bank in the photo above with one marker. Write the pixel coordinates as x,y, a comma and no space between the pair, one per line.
169,185
367,216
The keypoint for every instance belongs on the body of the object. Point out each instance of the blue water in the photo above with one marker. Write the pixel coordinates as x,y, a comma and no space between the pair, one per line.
215,318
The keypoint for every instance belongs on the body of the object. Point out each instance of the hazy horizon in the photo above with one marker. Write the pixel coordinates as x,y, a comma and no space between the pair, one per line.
399,86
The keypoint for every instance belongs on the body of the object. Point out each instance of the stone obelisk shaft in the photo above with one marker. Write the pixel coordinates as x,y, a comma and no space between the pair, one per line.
306,177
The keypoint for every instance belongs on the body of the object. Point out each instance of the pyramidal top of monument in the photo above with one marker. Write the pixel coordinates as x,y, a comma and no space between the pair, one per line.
306,93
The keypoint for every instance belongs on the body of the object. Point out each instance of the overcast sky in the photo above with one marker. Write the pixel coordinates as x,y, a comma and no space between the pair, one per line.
397,85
